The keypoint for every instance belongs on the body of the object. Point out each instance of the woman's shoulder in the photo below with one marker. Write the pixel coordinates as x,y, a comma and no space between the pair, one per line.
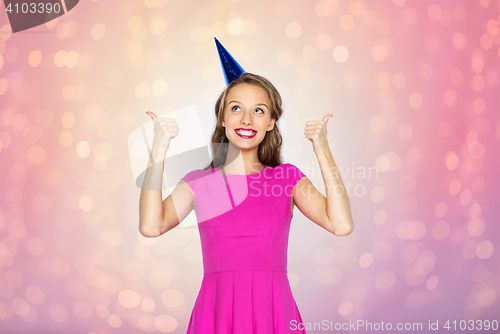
289,171
196,174
287,166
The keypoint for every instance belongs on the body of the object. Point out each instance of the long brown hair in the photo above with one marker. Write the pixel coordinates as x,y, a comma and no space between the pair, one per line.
269,152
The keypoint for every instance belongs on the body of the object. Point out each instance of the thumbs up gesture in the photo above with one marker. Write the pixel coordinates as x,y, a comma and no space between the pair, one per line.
315,131
165,129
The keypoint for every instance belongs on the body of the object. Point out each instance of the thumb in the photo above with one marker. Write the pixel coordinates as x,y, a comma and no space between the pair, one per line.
153,116
326,118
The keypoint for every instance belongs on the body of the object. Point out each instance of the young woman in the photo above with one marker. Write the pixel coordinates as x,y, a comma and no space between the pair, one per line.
244,204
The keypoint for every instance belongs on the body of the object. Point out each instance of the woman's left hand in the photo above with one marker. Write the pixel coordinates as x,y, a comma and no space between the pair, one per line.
315,131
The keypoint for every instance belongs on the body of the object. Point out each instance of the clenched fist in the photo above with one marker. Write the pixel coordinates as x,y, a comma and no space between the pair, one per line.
165,129
315,131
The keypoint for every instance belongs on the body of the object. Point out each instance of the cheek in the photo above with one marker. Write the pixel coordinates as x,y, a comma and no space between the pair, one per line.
265,124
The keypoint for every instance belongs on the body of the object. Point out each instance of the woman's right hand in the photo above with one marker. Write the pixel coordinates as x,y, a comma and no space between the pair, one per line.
165,129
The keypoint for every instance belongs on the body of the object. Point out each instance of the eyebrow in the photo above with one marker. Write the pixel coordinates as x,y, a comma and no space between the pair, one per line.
259,104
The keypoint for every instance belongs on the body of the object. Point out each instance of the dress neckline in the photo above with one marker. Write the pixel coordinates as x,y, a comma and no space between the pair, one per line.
218,169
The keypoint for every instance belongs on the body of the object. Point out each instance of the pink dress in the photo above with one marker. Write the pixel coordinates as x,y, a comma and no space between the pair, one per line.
244,222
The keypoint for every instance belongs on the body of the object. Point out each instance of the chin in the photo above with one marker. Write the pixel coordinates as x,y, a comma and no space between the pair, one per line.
244,147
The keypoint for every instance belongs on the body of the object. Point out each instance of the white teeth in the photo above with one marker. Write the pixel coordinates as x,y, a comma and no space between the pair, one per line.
245,133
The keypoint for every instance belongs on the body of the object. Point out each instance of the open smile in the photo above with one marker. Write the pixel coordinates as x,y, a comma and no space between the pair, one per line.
245,133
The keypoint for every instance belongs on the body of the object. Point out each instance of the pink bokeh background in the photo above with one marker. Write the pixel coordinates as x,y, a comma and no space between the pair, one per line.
413,86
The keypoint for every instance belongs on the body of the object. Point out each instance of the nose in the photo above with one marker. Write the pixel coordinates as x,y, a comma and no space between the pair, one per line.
246,118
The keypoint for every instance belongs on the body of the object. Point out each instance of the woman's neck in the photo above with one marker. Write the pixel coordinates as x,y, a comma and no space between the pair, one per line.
242,161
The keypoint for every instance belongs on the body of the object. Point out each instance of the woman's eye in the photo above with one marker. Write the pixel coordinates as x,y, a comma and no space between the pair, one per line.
236,108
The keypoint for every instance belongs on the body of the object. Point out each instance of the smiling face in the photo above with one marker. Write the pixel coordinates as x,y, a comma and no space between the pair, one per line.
247,107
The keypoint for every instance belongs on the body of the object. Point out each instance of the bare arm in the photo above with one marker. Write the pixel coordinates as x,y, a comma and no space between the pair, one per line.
157,217
333,213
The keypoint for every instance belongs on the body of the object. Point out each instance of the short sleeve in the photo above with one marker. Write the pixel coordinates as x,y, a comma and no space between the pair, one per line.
293,174
190,178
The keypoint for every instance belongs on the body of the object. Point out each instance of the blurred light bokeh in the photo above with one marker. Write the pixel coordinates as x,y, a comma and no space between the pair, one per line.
413,86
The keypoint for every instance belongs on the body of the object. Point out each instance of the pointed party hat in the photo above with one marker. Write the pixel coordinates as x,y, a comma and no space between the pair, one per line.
232,69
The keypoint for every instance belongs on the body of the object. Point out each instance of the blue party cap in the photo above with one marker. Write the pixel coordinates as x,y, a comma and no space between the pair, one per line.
232,69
